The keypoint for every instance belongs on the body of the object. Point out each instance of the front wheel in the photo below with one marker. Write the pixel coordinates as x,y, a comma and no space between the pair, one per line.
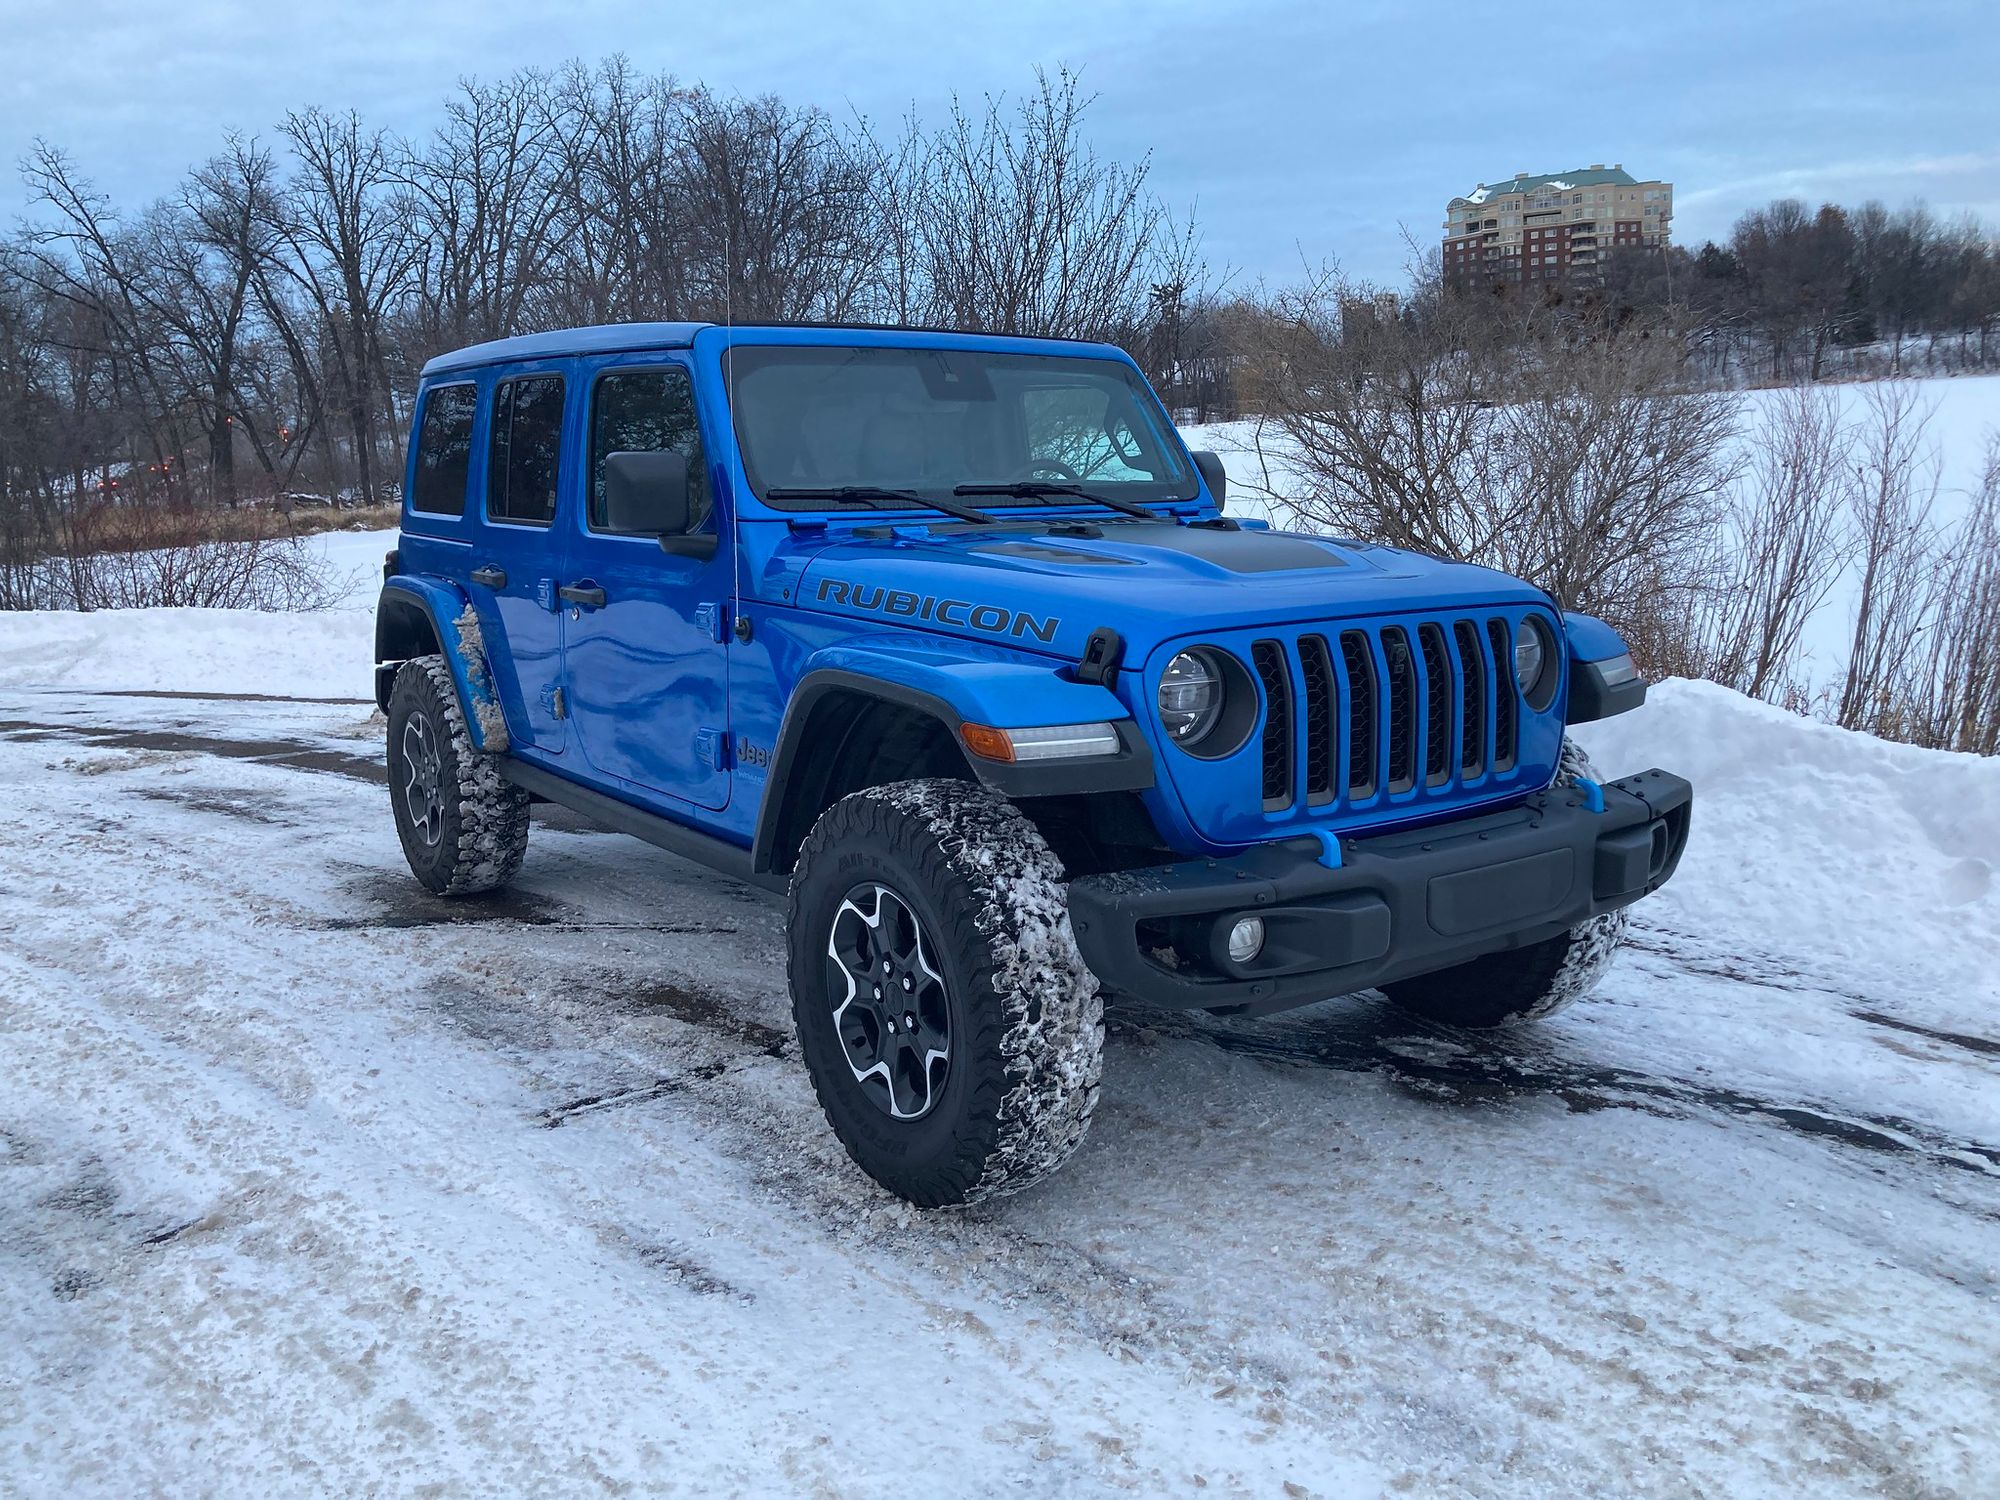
1522,984
954,1036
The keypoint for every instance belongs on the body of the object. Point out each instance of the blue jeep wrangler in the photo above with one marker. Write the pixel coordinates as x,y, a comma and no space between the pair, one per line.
950,638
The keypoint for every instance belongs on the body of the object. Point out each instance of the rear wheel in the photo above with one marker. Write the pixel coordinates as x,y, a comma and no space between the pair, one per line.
1523,984
464,828
953,1033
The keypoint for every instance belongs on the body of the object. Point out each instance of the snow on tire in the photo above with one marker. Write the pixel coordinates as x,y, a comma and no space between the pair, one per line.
1523,984
953,1033
464,828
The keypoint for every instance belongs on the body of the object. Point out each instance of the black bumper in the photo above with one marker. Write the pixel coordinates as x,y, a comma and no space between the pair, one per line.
1400,904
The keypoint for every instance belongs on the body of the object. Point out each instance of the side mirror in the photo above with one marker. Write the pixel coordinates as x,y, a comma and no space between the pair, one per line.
646,493
1213,474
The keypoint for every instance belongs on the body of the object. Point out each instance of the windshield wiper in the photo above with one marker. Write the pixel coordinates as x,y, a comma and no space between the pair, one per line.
864,494
1032,489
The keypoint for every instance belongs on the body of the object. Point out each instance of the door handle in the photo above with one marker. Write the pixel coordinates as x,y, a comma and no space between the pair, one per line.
586,594
490,577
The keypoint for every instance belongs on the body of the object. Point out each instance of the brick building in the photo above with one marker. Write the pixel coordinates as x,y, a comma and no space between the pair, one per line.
1558,227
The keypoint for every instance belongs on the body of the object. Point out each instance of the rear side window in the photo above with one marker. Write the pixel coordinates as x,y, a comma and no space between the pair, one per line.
527,450
444,450
646,411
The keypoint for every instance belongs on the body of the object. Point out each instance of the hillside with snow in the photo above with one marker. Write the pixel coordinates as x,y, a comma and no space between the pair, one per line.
311,1183
1961,419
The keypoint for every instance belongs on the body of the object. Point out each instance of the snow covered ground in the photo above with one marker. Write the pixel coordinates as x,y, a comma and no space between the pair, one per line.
323,654
1962,417
311,1184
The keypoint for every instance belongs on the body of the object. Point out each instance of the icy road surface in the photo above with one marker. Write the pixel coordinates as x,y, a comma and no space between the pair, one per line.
313,1184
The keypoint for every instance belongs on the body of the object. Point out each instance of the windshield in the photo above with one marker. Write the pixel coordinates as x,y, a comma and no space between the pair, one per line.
813,419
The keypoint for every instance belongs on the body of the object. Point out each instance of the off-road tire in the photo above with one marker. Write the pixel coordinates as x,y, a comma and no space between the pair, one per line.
481,820
1026,1022
1523,984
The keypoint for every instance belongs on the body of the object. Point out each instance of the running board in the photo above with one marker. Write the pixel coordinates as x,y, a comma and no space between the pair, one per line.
719,855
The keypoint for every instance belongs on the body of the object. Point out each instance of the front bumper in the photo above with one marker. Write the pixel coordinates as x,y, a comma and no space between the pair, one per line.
1397,904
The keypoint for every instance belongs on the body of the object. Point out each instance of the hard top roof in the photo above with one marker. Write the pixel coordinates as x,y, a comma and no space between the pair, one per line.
606,338
615,338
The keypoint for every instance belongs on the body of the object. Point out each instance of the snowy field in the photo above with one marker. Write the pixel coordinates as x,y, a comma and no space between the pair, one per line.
1962,416
312,1184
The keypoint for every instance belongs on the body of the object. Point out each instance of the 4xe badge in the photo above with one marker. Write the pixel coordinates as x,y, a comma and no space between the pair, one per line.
987,617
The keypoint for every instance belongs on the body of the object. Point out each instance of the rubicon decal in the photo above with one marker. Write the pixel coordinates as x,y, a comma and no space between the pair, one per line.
988,617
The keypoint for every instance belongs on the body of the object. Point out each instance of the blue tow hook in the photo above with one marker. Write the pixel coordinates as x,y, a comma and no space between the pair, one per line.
1329,846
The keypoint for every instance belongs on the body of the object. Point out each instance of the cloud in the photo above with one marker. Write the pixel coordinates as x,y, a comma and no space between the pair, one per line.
1830,177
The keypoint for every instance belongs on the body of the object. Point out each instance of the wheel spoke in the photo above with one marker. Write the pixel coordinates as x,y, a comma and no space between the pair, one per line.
423,785
889,1003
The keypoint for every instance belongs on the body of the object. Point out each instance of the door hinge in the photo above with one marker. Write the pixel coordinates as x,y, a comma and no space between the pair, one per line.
711,748
708,619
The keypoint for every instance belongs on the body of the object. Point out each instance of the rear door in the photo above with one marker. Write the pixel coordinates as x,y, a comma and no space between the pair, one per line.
514,566
644,667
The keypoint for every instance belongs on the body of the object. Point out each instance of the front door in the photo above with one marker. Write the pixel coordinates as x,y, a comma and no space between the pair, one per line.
514,563
643,667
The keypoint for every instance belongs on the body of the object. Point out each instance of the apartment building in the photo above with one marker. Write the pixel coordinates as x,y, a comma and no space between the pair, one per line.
1554,228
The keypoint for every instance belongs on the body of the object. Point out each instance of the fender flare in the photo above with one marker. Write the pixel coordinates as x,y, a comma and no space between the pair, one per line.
1602,678
454,625
948,688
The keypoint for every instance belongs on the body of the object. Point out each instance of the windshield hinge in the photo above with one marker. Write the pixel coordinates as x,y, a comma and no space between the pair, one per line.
1102,655
708,620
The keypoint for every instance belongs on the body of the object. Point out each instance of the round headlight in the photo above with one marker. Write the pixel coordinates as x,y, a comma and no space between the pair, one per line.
1531,659
1190,696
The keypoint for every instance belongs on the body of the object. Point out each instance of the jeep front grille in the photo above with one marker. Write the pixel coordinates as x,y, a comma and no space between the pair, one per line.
1276,681
1385,708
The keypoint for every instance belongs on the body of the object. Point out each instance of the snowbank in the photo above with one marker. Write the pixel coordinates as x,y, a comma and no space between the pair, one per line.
323,654
1861,855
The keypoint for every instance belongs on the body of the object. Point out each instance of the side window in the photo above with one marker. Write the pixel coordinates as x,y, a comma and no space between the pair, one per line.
526,456
646,411
444,450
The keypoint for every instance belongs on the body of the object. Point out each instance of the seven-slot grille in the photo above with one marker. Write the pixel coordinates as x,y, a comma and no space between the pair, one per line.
1386,707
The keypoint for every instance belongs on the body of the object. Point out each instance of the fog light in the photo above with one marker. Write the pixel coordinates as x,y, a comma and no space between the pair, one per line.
1246,939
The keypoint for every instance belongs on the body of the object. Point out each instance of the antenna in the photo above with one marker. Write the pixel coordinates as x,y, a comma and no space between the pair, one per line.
729,415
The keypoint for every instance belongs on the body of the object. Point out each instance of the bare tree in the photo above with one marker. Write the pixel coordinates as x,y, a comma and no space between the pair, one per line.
776,211
620,250
1961,697
1895,489
1022,228
205,253
350,251
87,258
480,200
1787,542
1592,466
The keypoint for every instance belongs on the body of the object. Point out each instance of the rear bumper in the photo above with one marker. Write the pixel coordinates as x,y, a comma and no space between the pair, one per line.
1397,905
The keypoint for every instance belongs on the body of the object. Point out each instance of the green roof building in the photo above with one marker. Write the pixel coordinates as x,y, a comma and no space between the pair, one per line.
1554,226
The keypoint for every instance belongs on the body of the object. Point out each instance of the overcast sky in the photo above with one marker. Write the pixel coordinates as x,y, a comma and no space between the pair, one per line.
1300,129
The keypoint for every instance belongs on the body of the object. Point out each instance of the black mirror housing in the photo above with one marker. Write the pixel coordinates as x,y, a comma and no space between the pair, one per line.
1213,474
646,494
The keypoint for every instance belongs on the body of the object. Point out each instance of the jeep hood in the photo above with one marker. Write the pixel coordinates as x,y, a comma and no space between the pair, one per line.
1046,586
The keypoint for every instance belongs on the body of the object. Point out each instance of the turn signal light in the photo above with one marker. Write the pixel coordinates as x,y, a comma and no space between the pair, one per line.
1043,742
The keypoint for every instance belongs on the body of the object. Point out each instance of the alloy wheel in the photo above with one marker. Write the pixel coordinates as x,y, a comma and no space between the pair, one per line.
889,1004
423,788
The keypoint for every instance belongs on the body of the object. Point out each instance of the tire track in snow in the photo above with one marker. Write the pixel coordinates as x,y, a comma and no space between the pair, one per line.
1491,1071
1436,1063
